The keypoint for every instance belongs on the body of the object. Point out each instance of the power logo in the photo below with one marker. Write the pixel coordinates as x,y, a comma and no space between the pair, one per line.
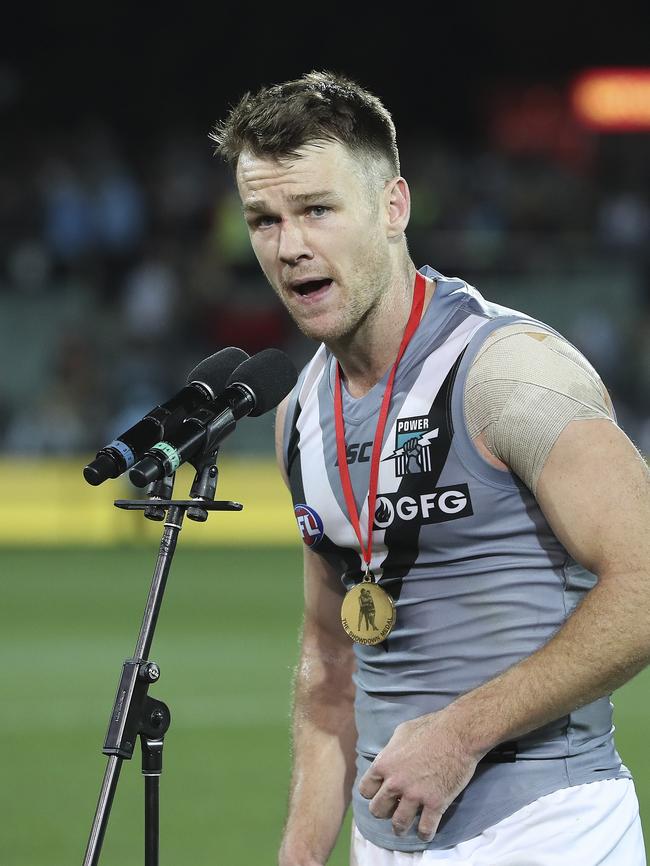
413,443
309,524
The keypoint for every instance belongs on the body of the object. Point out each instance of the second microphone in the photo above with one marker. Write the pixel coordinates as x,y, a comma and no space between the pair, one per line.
255,386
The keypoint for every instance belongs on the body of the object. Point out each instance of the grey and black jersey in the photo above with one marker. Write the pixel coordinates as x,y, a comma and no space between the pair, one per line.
478,578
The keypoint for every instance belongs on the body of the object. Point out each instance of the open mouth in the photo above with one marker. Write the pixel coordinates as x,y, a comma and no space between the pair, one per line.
311,287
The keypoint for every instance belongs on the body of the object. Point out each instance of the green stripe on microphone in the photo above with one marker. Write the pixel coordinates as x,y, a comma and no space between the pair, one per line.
172,455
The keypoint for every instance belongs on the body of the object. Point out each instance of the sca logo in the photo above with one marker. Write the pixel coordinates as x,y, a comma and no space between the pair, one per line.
309,524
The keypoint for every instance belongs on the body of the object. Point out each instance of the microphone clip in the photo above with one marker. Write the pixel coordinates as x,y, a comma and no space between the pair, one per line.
159,490
204,486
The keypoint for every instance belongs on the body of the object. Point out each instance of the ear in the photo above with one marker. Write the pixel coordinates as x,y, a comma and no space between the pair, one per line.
397,202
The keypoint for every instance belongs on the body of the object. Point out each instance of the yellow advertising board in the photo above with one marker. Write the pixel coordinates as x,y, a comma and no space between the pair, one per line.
48,502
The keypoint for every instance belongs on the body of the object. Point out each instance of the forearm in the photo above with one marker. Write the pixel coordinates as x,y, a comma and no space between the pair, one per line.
324,738
602,645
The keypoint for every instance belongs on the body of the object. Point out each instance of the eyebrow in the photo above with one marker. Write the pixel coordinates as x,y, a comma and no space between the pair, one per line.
295,198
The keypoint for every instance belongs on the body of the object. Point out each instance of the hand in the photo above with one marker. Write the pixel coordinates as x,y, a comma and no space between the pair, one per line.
425,765
412,448
411,445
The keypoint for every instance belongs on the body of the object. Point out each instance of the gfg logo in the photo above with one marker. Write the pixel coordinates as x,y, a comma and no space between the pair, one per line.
437,506
309,524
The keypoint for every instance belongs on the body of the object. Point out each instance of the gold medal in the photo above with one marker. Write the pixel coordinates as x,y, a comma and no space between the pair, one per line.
368,612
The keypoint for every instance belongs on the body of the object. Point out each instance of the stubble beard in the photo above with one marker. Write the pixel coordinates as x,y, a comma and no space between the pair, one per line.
366,289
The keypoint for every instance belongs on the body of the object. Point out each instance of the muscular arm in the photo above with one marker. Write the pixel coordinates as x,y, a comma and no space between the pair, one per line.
595,492
324,733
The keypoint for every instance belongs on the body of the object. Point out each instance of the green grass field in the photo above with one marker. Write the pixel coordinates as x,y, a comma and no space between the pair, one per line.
226,643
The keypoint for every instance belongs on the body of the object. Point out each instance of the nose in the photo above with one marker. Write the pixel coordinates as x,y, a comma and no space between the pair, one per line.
293,246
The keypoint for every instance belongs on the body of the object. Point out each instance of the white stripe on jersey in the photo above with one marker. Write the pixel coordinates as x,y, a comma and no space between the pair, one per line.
316,486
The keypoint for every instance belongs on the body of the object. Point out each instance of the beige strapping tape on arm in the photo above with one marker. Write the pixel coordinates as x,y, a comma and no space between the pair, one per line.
523,388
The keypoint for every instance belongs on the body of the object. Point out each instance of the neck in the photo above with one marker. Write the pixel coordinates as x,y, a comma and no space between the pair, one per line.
366,354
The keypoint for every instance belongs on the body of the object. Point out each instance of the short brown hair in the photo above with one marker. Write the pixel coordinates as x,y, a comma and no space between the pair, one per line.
321,106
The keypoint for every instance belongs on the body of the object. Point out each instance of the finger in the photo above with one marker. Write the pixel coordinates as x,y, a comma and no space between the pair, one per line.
428,823
404,815
370,783
384,802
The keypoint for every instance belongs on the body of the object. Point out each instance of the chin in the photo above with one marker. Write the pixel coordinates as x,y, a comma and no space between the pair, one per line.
314,332
323,332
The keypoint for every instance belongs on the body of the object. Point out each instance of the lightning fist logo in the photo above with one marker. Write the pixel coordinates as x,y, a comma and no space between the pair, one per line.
413,439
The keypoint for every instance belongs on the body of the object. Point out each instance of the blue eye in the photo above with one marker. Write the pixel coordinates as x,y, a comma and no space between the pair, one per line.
318,210
263,222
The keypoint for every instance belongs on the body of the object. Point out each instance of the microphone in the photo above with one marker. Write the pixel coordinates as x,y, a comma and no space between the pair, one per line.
205,381
256,386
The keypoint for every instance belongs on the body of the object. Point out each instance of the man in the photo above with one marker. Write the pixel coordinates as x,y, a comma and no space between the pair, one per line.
366,611
508,563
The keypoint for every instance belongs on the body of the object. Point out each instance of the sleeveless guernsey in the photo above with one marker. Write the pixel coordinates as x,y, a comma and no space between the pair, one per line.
477,576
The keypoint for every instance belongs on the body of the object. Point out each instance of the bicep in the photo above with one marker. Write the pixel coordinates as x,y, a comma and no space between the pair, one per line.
324,595
324,687
594,491
327,658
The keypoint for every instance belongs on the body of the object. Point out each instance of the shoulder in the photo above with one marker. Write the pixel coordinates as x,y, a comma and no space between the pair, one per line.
290,408
525,385
529,353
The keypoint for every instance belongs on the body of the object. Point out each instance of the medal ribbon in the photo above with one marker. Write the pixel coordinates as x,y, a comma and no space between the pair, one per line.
344,472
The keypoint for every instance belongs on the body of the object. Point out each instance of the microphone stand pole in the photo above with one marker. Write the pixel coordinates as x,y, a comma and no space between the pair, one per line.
134,713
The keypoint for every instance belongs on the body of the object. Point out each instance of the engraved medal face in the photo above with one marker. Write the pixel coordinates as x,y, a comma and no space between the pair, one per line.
368,613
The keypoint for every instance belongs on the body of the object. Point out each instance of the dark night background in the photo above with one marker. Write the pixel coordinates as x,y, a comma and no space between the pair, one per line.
146,65
122,258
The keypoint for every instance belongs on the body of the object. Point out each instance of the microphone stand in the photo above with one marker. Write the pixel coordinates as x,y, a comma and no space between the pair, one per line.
134,713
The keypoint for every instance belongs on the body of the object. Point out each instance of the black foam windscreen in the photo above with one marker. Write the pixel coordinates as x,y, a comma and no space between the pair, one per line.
215,371
270,375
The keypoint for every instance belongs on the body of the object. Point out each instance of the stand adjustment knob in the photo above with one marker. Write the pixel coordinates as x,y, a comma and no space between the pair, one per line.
150,672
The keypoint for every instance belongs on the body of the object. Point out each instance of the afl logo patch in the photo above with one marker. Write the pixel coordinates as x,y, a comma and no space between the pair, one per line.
309,524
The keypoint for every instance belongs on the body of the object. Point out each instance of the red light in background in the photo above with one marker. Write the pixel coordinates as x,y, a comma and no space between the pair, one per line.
613,100
528,119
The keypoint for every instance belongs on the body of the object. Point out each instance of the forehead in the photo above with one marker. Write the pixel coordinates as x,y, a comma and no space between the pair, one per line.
316,166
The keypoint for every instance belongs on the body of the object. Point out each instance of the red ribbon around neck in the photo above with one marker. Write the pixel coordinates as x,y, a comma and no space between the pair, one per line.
411,326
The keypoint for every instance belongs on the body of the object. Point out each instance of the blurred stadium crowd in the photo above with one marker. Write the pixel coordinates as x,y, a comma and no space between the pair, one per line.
124,262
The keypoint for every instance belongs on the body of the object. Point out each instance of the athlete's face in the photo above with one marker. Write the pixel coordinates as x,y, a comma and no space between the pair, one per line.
316,225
